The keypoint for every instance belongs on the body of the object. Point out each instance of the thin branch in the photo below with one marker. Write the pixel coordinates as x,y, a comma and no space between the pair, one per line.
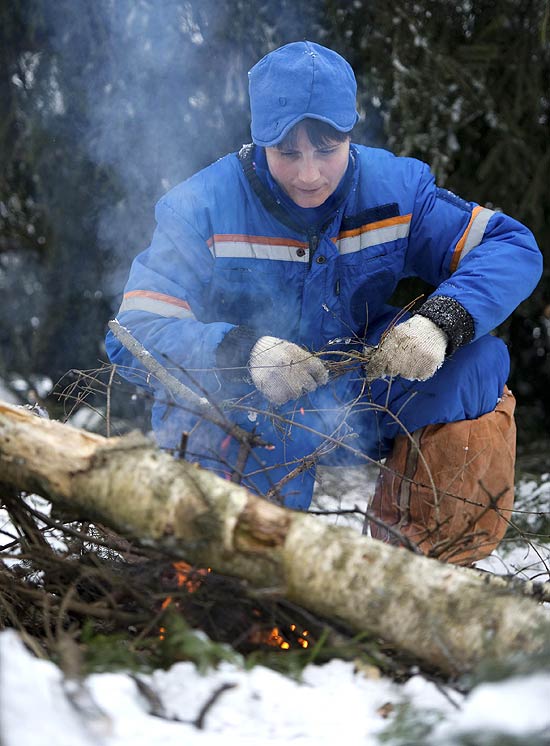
170,382
108,404
210,702
200,404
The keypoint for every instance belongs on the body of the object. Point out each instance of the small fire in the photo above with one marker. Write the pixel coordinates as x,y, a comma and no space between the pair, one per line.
301,640
187,577
275,639
192,578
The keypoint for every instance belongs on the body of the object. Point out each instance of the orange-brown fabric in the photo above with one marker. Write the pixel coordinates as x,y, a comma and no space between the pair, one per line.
449,488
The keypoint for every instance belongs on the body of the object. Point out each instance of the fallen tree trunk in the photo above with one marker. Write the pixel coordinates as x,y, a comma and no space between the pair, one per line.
443,616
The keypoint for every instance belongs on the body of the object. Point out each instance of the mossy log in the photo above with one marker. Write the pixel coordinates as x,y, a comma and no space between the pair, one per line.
443,616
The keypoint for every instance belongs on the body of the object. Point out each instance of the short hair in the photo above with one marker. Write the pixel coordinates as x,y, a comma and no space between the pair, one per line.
320,134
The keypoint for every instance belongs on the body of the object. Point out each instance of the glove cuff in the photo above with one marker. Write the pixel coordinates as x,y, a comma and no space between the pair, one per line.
264,344
452,318
233,354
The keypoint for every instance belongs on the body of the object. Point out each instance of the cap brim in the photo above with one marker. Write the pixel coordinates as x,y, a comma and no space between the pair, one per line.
292,122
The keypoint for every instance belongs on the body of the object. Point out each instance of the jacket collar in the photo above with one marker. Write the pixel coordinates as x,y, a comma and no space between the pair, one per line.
300,219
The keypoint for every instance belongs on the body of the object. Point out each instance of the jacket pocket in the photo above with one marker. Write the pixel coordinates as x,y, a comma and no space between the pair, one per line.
366,284
263,297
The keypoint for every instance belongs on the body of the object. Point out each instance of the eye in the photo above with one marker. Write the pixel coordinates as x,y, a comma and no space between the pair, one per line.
328,151
288,153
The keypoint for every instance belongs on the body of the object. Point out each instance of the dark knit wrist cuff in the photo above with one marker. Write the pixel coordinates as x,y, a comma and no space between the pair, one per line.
452,318
233,353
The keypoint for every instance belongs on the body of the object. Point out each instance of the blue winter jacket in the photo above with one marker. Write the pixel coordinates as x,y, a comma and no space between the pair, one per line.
228,261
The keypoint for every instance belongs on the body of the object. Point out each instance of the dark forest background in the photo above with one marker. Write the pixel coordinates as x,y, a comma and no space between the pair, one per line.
105,105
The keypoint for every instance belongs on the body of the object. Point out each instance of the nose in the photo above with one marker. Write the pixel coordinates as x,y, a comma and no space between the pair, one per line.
309,171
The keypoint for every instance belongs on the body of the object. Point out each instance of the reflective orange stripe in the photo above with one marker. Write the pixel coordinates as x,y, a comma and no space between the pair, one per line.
159,296
460,245
399,220
243,238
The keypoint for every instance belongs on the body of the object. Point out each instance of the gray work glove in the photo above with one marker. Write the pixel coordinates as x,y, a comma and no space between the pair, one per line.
281,370
413,350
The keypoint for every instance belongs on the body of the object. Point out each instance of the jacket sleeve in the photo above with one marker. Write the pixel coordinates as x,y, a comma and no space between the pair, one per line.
482,262
165,303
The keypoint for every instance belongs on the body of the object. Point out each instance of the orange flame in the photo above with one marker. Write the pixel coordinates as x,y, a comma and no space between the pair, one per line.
189,577
275,639
186,576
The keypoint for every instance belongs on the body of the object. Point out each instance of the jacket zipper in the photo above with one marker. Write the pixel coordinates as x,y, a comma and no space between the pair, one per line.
313,243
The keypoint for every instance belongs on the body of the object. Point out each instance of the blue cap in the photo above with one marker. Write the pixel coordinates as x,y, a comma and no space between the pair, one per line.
298,81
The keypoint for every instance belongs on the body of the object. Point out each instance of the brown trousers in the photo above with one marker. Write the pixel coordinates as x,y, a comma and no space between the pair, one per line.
449,488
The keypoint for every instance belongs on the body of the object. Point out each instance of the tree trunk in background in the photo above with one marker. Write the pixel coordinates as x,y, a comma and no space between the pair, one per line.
446,617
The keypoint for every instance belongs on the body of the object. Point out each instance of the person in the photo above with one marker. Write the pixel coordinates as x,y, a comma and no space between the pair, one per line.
271,262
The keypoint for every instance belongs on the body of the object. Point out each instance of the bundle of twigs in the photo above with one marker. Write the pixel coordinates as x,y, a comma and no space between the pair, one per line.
64,581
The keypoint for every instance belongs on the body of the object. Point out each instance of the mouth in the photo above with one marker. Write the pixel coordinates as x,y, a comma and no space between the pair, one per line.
310,194
310,197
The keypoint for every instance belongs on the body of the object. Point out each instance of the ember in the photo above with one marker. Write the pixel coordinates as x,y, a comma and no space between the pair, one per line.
277,639
263,632
187,577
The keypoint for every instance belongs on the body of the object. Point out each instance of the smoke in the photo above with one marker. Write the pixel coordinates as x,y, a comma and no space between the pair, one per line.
163,93
121,100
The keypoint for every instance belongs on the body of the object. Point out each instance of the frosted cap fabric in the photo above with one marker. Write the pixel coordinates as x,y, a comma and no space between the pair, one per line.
298,81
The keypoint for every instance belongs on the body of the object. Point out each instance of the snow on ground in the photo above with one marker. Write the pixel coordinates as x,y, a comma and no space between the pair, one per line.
257,707
230,705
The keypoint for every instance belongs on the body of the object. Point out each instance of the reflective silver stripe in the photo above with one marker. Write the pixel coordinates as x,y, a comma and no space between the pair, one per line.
373,237
229,249
476,232
153,305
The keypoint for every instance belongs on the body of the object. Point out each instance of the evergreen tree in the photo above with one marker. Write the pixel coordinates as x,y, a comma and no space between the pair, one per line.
105,106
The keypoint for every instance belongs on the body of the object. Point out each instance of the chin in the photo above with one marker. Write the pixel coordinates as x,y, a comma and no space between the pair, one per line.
303,203
313,201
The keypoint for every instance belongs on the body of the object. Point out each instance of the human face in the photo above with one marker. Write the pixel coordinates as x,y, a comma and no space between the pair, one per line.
307,174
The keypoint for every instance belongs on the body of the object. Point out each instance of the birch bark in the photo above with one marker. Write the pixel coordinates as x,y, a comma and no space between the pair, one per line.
443,616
